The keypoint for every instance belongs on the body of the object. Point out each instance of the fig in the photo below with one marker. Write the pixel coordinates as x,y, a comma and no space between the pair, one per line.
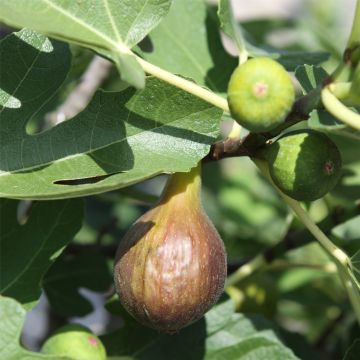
76,342
304,164
170,267
260,94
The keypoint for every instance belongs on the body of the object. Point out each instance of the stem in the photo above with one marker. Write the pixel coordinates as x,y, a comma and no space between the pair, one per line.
184,84
276,265
247,269
339,110
333,250
342,261
341,90
351,289
235,131
355,31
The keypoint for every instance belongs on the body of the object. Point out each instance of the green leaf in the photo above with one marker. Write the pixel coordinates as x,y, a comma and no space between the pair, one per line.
70,273
235,337
355,268
121,137
289,59
110,27
323,121
32,68
12,317
245,232
187,42
229,25
28,250
292,59
353,352
349,230
310,77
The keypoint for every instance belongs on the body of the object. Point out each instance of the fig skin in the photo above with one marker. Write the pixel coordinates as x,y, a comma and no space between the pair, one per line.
304,164
75,341
260,94
170,267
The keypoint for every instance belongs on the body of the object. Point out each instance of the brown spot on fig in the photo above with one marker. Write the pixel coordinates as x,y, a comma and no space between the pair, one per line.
329,167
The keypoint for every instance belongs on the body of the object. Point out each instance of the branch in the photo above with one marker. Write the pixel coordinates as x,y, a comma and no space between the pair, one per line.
249,145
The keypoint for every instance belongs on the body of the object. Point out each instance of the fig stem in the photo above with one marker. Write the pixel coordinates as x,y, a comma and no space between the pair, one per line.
184,181
235,131
341,260
335,107
184,84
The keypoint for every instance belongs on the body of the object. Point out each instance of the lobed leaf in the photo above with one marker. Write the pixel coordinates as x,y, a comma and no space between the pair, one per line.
310,77
12,316
121,137
110,27
323,121
28,250
235,337
70,273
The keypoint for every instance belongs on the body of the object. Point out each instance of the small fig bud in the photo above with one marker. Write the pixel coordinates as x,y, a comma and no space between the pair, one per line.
260,94
76,342
170,267
304,164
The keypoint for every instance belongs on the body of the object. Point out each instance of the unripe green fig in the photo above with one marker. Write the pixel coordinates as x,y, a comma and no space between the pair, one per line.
260,94
76,342
170,267
304,164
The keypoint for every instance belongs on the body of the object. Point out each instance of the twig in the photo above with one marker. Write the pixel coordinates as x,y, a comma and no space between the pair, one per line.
291,241
335,107
248,145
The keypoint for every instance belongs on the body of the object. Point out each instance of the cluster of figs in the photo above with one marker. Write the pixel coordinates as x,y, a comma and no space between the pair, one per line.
170,267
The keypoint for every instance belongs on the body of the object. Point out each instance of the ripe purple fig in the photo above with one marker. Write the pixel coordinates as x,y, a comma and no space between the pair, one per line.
170,267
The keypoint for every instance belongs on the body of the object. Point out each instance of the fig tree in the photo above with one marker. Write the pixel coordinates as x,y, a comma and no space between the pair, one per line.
76,342
170,267
260,94
304,164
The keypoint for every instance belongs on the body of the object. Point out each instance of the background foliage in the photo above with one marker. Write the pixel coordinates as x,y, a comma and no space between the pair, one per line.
133,129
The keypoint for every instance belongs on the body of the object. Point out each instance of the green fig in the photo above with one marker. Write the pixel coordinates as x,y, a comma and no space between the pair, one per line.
260,94
170,267
76,342
304,164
